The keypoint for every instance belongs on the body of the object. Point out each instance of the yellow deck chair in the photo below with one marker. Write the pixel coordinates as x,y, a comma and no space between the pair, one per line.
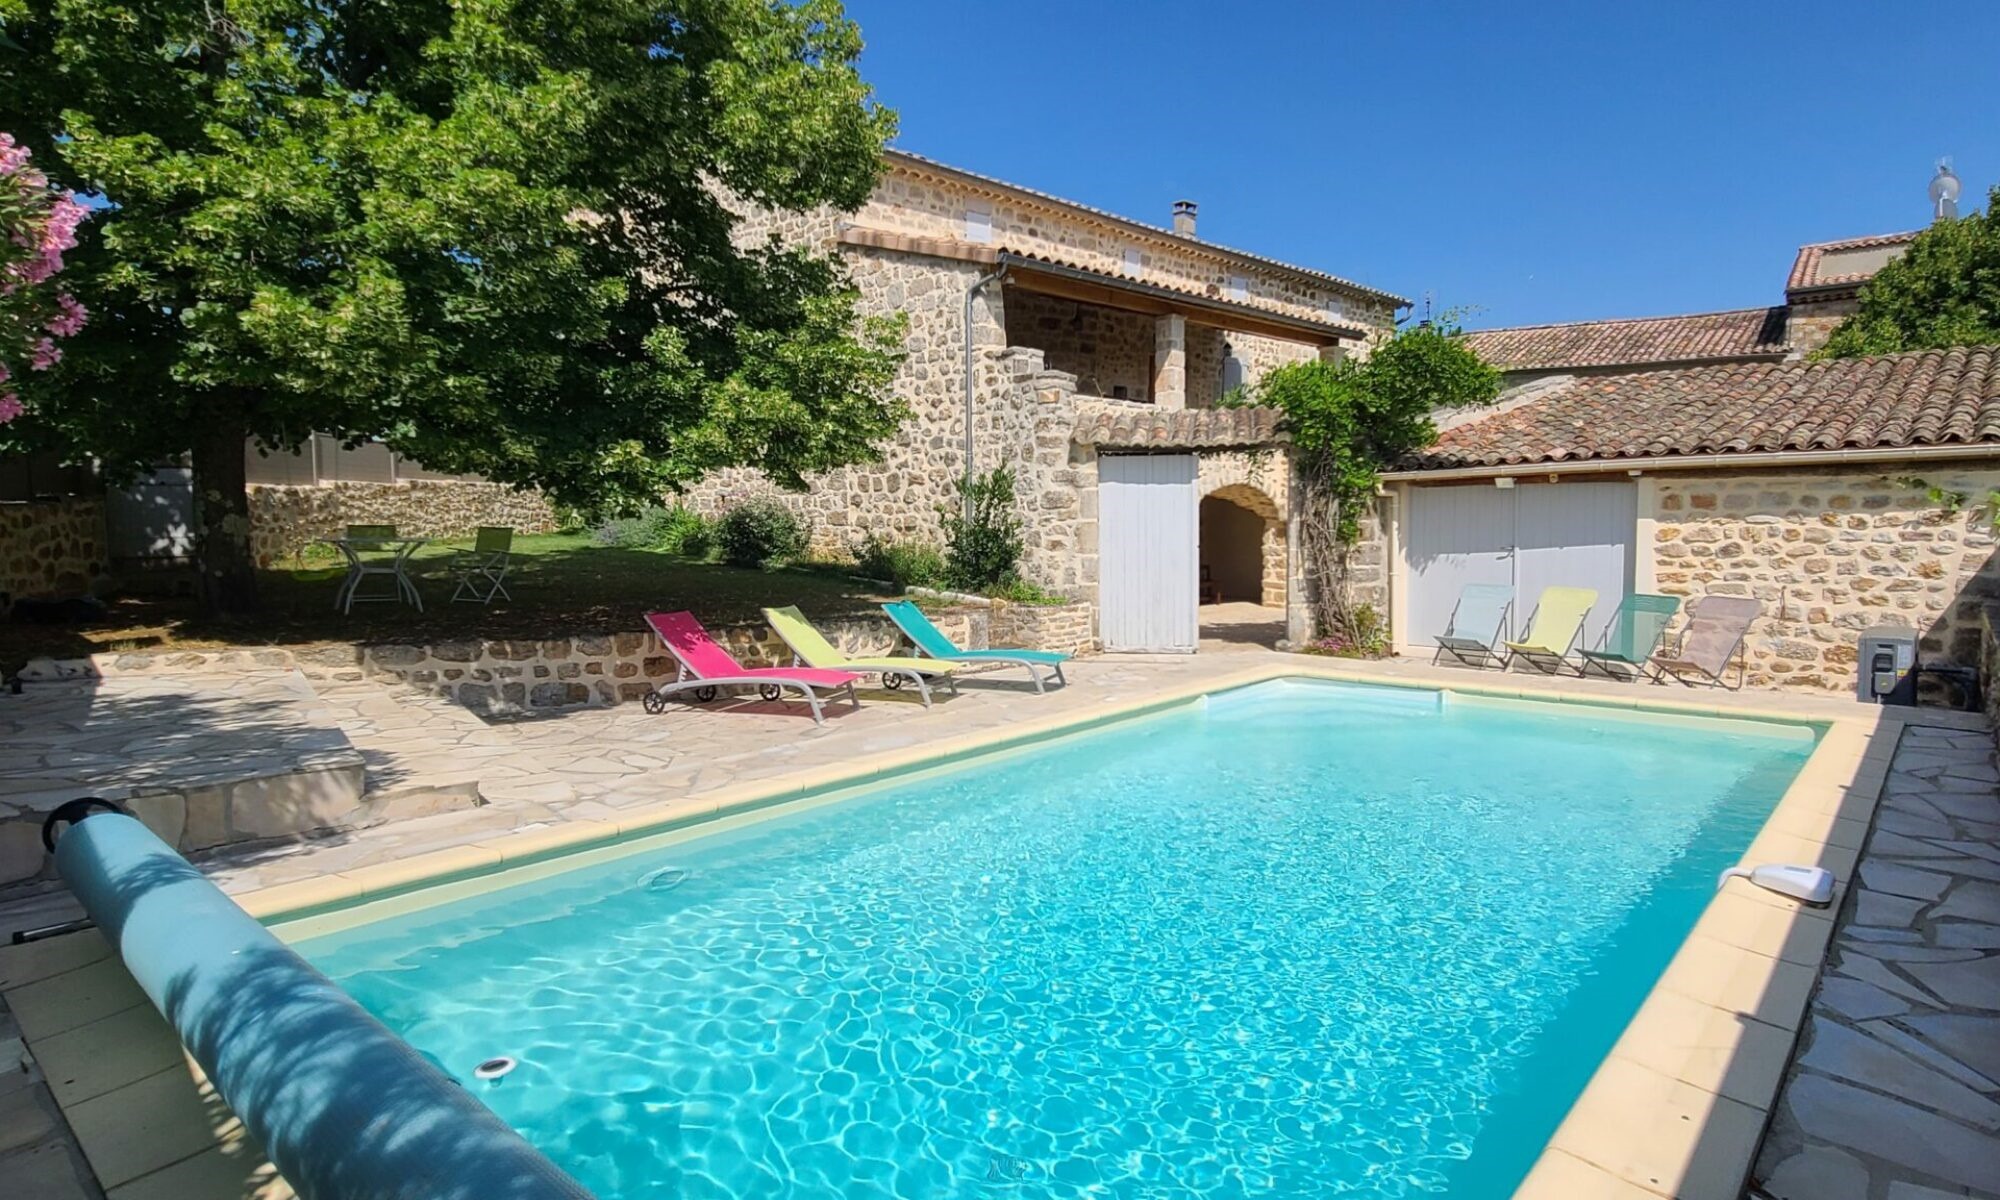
810,648
1554,628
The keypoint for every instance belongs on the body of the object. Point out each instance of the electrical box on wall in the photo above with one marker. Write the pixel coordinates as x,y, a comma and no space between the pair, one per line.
1888,666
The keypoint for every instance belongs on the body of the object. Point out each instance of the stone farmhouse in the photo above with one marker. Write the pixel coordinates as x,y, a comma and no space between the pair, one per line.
1087,352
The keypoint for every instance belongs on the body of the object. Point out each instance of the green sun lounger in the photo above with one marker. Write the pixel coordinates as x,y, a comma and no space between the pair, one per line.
1632,636
810,648
1556,624
931,642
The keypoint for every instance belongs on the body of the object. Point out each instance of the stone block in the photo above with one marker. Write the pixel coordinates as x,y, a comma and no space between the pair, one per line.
297,802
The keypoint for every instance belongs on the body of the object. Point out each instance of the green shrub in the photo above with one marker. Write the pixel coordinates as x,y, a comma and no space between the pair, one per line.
983,537
761,532
1020,591
906,564
676,530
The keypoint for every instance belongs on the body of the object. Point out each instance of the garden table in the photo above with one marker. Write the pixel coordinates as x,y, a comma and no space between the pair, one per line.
395,568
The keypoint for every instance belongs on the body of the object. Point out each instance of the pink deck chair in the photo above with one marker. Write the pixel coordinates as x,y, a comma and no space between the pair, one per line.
706,666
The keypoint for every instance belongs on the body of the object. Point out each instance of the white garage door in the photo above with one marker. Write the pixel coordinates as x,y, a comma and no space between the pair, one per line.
1531,536
1148,580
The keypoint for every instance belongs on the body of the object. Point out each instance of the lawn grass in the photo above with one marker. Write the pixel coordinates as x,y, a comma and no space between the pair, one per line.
560,583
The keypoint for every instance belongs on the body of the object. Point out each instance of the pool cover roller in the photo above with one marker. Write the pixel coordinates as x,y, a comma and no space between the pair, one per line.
345,1109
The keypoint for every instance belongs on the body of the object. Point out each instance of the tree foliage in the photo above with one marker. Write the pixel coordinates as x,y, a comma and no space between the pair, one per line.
1944,291
498,234
1350,420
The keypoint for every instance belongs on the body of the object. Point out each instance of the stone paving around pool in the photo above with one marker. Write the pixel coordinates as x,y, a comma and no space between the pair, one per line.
1895,1091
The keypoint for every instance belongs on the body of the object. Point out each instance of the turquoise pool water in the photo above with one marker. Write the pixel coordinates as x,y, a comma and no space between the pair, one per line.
1302,939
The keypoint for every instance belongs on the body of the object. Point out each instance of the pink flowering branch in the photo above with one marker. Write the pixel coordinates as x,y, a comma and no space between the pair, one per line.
37,224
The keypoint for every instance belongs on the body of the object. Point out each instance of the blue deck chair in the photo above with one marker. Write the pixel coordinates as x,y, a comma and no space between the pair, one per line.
931,642
1478,622
1626,650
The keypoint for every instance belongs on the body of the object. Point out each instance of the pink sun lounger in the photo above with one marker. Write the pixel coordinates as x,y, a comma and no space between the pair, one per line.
705,666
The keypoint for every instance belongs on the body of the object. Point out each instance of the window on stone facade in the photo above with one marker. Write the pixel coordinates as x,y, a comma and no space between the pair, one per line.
1239,288
978,223
1335,310
1133,260
1232,369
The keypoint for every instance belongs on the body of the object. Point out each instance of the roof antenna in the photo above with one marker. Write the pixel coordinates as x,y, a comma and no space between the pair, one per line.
1944,192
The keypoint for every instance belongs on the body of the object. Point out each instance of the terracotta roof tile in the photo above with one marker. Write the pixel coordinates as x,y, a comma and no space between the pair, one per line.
1892,401
1142,427
1738,333
1809,269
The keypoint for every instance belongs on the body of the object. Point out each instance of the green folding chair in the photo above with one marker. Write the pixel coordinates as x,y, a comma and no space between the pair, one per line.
482,570
1627,647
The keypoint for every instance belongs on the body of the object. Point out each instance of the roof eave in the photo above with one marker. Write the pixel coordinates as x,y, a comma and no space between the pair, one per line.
1699,462
1662,364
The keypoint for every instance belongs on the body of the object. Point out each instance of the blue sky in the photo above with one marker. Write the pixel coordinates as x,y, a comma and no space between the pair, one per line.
1537,161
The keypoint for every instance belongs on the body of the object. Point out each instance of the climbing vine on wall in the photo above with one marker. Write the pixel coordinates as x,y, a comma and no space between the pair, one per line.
1352,419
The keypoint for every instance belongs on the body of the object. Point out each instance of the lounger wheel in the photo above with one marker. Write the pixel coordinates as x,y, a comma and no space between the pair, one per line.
653,702
770,691
892,682
703,695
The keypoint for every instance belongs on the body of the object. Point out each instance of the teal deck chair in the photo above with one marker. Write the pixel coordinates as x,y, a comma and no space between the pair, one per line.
1632,637
1478,622
931,642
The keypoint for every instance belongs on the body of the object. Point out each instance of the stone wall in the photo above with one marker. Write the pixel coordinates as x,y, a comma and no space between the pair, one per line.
1989,664
1109,351
283,520
897,497
1831,553
1065,628
1809,325
51,547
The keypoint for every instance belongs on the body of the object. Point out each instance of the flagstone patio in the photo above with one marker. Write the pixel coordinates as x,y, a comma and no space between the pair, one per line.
1895,1091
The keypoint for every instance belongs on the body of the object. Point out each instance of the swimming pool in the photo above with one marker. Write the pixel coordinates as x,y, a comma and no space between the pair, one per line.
1296,939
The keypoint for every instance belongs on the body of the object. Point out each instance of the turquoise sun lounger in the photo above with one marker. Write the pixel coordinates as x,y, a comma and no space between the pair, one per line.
931,642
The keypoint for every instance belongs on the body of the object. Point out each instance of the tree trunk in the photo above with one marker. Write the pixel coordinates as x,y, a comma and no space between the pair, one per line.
222,518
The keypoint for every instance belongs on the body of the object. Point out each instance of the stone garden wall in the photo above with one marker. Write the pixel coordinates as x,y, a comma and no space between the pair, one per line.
519,677
51,547
283,520
1832,553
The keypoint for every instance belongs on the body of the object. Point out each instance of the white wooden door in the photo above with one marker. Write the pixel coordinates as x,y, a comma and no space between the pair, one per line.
1574,535
1529,537
1148,573
1455,536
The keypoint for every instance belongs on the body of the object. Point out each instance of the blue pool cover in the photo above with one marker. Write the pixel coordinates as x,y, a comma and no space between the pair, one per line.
345,1109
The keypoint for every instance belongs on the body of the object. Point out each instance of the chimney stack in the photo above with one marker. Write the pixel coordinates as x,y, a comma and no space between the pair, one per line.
1184,217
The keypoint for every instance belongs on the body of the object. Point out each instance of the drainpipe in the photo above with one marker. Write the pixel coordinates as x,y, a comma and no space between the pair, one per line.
993,276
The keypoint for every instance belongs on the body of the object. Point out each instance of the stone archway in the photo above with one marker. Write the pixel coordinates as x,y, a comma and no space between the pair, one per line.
1242,545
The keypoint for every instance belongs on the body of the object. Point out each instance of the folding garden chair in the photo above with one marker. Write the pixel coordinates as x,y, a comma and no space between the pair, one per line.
1713,637
481,569
1632,636
1478,622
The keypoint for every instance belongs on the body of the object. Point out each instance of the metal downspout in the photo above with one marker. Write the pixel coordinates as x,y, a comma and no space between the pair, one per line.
971,293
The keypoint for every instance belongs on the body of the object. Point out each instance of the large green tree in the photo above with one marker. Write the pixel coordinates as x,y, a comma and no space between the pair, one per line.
498,234
1945,291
